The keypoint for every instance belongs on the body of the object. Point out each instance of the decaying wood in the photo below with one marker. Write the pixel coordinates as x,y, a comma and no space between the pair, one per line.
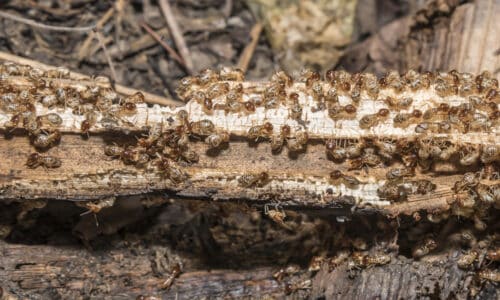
401,280
457,114
43,271
141,263
463,37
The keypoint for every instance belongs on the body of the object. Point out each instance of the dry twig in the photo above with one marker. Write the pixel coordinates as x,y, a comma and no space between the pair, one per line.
106,54
176,34
169,49
83,52
38,25
247,54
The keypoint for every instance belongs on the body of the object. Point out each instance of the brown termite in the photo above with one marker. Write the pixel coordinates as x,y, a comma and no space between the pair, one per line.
229,74
491,275
485,193
337,111
315,263
113,150
185,84
277,215
445,154
336,177
51,119
293,287
361,260
295,107
403,120
423,186
493,95
182,117
387,149
47,161
97,205
206,77
331,96
393,190
282,79
31,125
298,142
355,150
249,106
86,125
493,254
129,155
490,154
334,150
310,77
372,120
13,122
45,140
173,173
59,73
254,179
398,104
284,272
174,273
190,156
141,159
424,247
469,180
216,139
368,159
424,148
469,156
203,127
260,131
278,140
154,134
398,173
479,122
217,89
338,259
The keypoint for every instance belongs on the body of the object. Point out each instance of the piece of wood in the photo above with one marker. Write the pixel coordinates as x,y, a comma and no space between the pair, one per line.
44,271
465,39
300,176
402,279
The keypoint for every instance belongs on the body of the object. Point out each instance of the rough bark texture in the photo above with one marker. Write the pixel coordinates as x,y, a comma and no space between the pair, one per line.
44,271
466,40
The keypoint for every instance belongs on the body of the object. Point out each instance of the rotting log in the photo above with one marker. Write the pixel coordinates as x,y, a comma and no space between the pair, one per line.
396,143
43,271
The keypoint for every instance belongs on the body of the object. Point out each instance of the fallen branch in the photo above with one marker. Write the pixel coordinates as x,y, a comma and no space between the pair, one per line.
122,155
38,25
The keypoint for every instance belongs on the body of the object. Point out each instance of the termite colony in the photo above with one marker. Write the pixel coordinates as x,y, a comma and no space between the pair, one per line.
165,145
412,124
421,115
25,90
